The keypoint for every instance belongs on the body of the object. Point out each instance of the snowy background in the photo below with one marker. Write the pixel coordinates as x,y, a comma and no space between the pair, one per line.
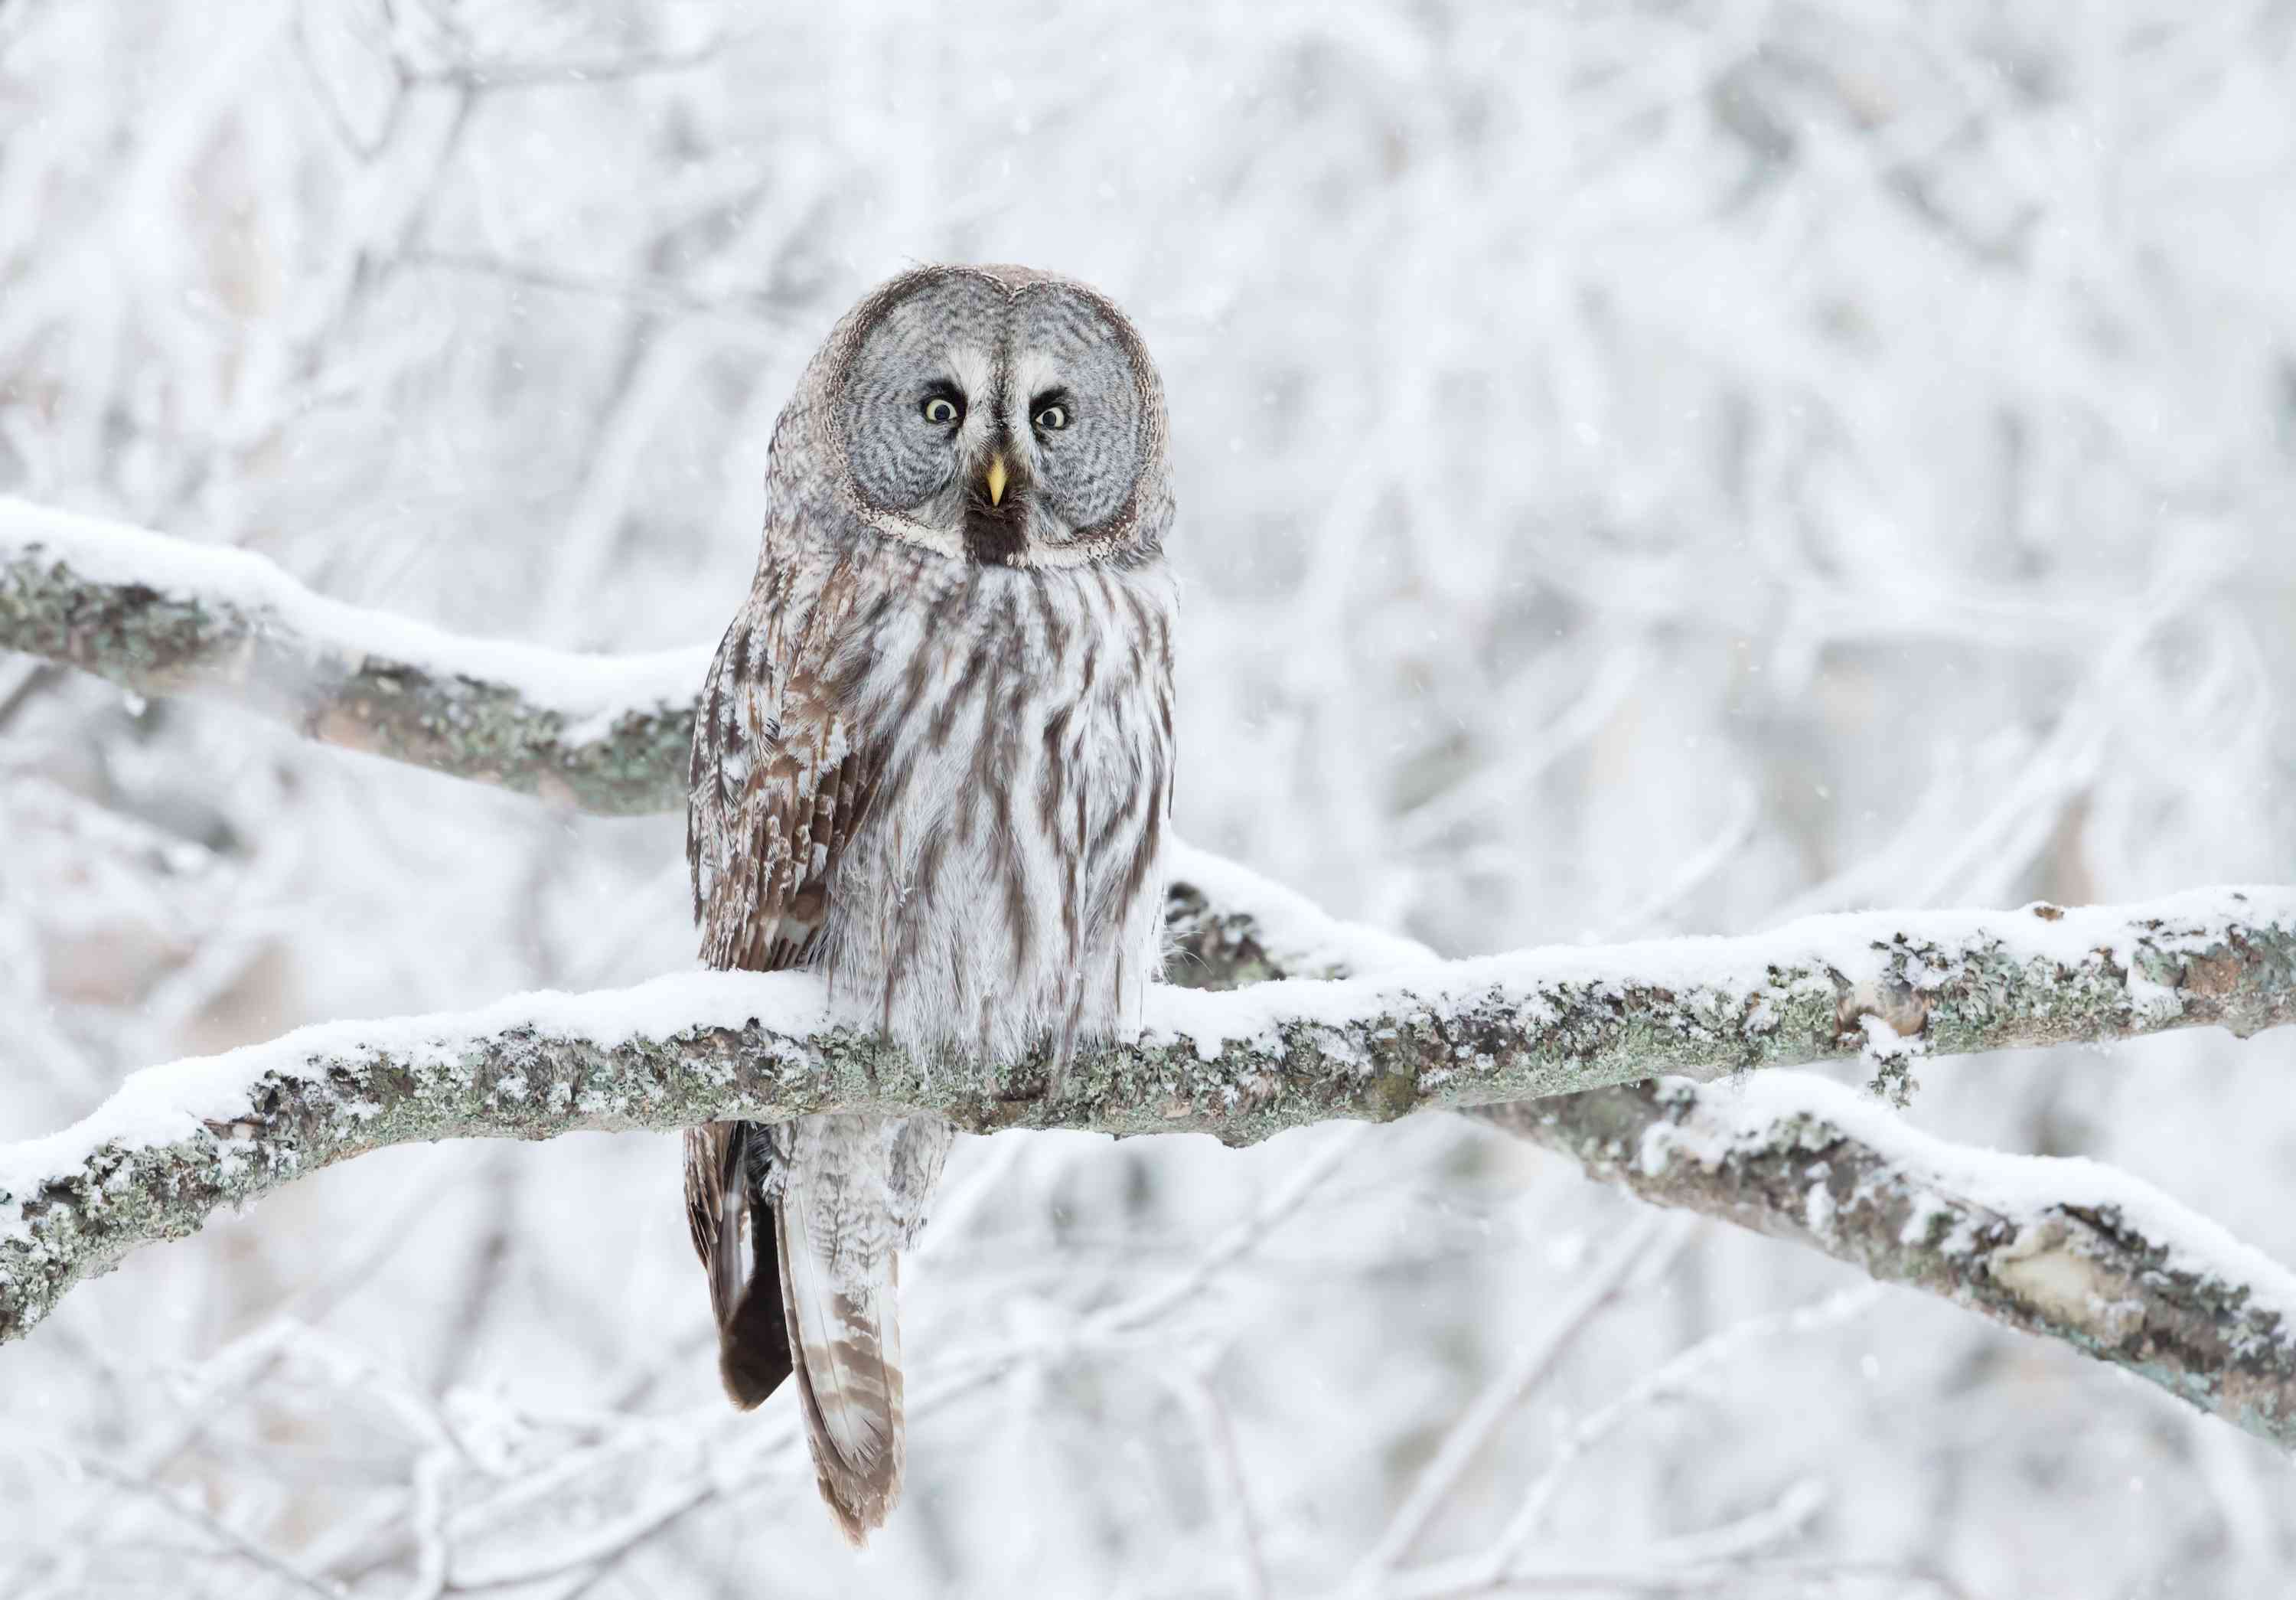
1645,468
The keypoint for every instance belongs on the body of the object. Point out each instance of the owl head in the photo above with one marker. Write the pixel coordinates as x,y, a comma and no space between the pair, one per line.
994,415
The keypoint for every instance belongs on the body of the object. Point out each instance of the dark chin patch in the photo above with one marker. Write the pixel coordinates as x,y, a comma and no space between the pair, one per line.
992,535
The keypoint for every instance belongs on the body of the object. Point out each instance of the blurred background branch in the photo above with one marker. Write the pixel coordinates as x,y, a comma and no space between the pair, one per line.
1647,469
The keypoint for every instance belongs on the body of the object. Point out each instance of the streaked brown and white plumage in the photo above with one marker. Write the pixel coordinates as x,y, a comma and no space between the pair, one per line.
933,764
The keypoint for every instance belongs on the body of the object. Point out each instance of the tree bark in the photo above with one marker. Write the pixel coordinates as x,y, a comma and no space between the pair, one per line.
157,616
1549,1046
2066,1249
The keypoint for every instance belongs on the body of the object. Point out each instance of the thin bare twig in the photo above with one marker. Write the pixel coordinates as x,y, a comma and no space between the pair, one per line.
1515,1384
1229,1490
197,1516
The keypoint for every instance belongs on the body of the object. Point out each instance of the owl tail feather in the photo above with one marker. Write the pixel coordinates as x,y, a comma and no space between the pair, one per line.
732,1223
845,1340
753,1344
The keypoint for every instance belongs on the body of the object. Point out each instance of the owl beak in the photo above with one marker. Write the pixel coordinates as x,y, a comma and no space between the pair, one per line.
996,479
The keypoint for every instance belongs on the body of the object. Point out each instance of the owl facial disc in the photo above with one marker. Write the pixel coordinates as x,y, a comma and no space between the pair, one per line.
1001,416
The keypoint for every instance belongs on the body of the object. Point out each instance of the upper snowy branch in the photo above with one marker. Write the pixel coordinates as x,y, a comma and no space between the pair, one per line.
161,616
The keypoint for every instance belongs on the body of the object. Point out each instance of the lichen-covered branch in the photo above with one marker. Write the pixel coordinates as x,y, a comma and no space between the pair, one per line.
163,617
178,1141
1546,1045
2071,1250
2067,1250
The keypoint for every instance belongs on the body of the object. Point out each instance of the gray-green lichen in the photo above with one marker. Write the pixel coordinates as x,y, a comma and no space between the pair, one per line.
1214,949
1554,1061
2085,1276
1212,1065
210,647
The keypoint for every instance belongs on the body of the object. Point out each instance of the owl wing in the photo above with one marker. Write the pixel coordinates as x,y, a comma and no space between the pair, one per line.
716,1160
777,787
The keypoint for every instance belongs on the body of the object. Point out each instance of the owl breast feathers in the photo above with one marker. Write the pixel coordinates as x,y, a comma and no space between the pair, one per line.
933,764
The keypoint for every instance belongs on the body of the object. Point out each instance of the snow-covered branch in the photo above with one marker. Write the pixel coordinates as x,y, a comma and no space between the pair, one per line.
1551,1045
179,1140
161,616
2067,1249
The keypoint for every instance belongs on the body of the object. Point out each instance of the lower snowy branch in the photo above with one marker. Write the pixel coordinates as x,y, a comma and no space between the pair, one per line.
2065,1249
177,1141
2069,1249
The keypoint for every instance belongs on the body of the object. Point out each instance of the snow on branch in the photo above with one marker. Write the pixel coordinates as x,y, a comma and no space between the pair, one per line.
162,616
1549,1044
2065,1248
176,1141
2070,1250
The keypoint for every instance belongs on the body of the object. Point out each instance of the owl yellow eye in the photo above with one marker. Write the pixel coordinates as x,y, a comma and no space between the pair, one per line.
941,411
1053,418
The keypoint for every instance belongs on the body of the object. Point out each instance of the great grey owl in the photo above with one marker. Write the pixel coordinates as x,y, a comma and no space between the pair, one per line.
933,764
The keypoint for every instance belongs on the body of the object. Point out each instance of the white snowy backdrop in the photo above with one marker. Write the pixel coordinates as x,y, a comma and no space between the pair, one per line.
1647,468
